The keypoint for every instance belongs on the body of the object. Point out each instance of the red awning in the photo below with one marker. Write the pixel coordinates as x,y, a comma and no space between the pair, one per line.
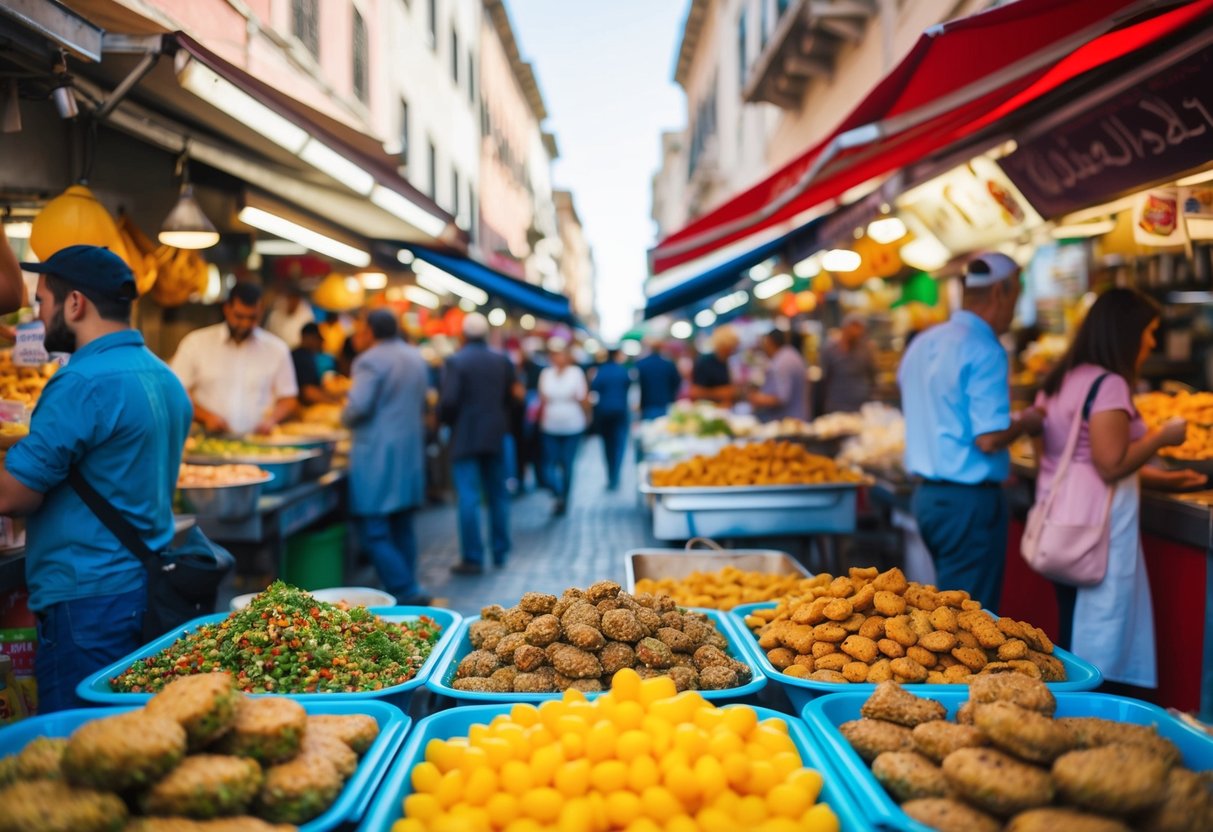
959,77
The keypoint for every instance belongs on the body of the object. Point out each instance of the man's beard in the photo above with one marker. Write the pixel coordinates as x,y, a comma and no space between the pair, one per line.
58,337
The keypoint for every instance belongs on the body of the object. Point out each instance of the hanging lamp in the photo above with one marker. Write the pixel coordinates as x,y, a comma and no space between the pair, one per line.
186,226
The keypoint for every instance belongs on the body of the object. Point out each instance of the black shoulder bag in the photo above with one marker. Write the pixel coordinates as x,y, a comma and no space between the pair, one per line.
182,582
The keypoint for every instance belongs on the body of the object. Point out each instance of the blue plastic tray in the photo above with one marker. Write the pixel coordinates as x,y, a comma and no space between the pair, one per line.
444,673
1080,675
350,805
825,714
389,804
96,688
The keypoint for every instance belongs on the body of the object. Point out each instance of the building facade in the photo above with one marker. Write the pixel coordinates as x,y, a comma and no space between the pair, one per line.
576,262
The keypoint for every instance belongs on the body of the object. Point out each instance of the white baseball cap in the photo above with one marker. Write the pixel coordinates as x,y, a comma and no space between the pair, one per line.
475,325
988,268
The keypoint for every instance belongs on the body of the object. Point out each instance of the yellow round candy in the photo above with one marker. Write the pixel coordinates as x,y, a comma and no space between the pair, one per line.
633,744
576,816
628,715
573,745
710,775
516,777
445,755
473,758
625,685
682,823
785,763
780,825
763,778
498,751
681,782
609,776
481,785
772,739
740,719
573,779
660,804
659,687
524,715
542,804
544,763
502,808
736,769
785,800
712,819
724,742
807,781
408,825
690,739
423,807
600,741
425,777
523,825
450,790
622,808
751,811
820,818
642,773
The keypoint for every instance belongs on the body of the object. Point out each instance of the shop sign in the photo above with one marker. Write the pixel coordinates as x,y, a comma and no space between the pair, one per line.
1152,132
28,350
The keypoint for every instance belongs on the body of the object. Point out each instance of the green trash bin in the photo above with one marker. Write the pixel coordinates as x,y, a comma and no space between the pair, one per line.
316,560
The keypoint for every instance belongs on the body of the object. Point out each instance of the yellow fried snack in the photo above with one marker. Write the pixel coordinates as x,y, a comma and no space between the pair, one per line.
756,463
727,588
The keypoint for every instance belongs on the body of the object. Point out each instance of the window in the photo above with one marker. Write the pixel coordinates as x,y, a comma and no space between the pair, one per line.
455,56
305,24
433,171
471,78
362,81
433,7
742,64
404,133
456,188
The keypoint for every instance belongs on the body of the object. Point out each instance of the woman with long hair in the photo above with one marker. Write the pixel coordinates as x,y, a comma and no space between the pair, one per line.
1110,624
564,418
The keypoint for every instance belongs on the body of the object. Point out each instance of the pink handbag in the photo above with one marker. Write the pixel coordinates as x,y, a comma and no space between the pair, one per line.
1065,552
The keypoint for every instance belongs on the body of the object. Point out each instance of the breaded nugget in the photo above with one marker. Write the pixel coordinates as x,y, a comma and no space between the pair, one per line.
54,806
1051,668
583,612
880,671
620,625
321,745
944,619
1186,807
358,731
939,738
543,630
585,637
974,658
477,663
578,664
888,604
781,657
823,648
1027,734
825,676
923,656
860,648
676,640
516,620
890,702
602,590
937,641
535,682
485,634
1112,779
890,649
1018,690
615,656
685,678
1062,820
948,815
208,786
1092,732
964,714
892,580
908,775
122,752
537,603
297,791
506,647
872,627
872,737
1013,650
908,670
267,729
203,704
996,782
708,656
479,684
718,677
41,759
855,672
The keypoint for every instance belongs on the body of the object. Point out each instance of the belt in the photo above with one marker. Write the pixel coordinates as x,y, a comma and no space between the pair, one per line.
950,484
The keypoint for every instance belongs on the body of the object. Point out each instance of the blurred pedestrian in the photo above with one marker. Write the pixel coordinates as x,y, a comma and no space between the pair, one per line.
711,378
478,389
565,404
310,362
659,382
784,393
611,384
288,315
386,414
848,368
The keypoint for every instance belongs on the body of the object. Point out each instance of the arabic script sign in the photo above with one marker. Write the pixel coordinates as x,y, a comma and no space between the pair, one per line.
1154,131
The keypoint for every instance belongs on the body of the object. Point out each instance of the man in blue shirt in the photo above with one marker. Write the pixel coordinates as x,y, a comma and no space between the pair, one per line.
957,401
611,384
659,382
784,393
118,415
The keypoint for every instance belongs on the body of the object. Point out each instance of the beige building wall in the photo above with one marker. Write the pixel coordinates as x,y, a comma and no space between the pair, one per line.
669,207
576,259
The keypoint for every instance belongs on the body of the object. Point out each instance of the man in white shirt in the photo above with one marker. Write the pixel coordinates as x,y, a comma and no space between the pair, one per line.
289,314
239,377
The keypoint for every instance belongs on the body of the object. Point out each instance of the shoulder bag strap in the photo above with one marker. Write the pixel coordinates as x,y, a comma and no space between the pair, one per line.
111,518
1067,456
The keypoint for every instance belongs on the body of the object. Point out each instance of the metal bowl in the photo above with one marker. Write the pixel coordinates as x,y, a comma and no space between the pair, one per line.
314,467
228,503
287,470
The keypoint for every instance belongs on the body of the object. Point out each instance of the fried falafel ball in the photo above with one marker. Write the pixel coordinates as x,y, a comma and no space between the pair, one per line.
718,677
872,737
939,738
54,806
41,759
122,752
1057,819
1027,734
685,678
480,684
208,786
702,632
996,782
584,637
504,676
710,656
516,620
586,685
537,603
299,790
676,640
528,658
653,653
486,635
602,590
583,612
358,731
1187,806
1112,779
649,619
267,729
1093,732
1015,688
908,775
615,656
543,630
493,612
204,705
576,664
622,625
892,703
535,682
945,814
508,644
673,620
317,744
477,663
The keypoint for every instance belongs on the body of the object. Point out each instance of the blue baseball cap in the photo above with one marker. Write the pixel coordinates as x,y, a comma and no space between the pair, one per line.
90,269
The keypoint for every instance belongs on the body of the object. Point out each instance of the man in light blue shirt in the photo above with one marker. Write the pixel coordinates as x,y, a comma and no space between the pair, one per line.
956,396
118,415
784,393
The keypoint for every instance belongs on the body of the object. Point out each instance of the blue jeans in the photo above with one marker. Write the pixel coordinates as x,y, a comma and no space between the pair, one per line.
614,427
472,475
559,454
78,638
965,529
392,546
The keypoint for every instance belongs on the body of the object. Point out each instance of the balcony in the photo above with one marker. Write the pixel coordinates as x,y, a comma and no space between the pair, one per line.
804,46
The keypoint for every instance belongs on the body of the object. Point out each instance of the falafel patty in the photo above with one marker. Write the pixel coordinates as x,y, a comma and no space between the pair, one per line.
1063,820
947,815
54,806
872,737
1112,779
908,775
358,731
298,791
204,705
997,782
41,759
267,729
206,786
122,752
244,823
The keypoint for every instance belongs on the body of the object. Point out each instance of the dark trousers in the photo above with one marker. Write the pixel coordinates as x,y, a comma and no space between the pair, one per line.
965,529
474,475
1067,600
614,429
392,546
559,455
77,638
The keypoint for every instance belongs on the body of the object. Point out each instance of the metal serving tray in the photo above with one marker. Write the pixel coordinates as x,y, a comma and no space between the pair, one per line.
679,563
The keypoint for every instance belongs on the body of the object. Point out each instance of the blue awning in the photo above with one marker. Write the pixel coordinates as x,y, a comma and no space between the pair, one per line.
510,291
719,279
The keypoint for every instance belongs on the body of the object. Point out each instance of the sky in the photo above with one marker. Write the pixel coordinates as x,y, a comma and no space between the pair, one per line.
605,68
